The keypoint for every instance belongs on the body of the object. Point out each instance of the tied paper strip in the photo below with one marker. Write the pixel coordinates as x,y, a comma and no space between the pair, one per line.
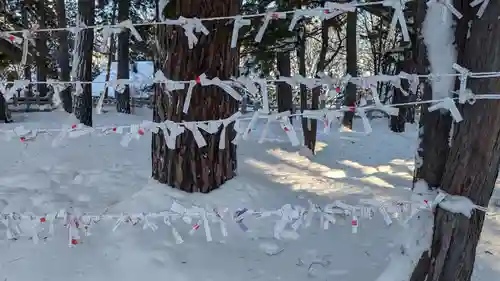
288,214
26,40
198,137
239,22
463,94
290,131
225,123
398,6
297,15
169,85
129,25
189,93
448,6
265,96
191,26
108,31
449,105
204,81
170,132
251,124
175,233
270,118
378,104
481,10
310,83
413,79
366,123
269,16
345,7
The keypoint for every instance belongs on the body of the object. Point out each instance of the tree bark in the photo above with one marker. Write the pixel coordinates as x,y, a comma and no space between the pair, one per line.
41,45
284,90
27,68
352,67
123,96
63,56
111,51
398,122
473,160
83,102
188,167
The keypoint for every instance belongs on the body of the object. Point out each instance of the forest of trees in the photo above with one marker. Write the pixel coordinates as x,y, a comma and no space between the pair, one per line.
467,166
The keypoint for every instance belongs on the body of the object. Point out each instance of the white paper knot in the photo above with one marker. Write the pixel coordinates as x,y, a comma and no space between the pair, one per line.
239,22
108,31
463,95
170,132
398,6
190,26
198,137
269,16
225,123
129,25
204,81
413,80
449,105
481,10
168,84
345,7
310,83
366,122
251,124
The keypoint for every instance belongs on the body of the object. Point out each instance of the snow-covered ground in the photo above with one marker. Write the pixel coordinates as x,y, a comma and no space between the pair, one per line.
96,175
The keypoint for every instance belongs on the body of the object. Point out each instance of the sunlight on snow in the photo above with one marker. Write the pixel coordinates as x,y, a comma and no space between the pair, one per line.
299,179
305,163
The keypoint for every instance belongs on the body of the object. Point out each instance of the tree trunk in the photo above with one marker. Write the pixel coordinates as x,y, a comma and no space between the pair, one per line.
352,66
83,101
473,160
398,122
284,90
111,51
4,110
41,46
123,95
63,56
189,167
307,128
27,68
316,92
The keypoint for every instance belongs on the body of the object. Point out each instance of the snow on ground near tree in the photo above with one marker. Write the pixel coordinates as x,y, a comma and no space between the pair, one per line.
96,173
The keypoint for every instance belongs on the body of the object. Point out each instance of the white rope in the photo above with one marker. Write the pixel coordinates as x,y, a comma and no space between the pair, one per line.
178,22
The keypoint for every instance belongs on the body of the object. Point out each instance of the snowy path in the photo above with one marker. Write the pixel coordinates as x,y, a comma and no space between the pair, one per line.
97,174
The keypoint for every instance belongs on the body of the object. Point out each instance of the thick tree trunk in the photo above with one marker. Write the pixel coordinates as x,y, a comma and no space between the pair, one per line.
111,51
473,161
27,68
63,56
284,90
41,45
83,101
123,96
189,167
352,66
